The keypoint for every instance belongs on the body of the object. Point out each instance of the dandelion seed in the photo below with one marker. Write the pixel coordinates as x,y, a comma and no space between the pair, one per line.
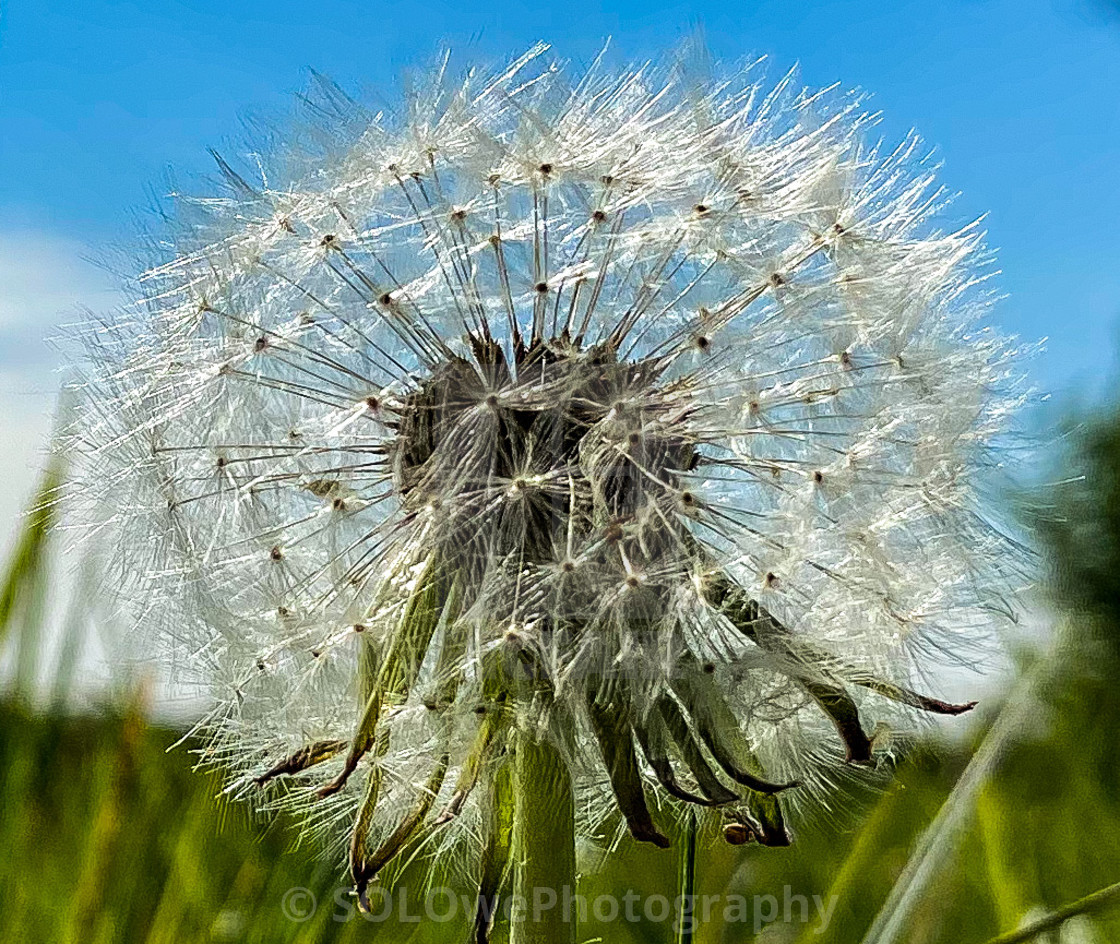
572,502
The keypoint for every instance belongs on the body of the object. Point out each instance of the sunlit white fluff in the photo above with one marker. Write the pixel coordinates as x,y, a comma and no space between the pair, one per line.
774,378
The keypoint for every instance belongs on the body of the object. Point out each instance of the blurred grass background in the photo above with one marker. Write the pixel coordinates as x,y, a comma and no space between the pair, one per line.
109,836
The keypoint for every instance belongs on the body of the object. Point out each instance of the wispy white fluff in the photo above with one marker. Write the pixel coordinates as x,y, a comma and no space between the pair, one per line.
565,353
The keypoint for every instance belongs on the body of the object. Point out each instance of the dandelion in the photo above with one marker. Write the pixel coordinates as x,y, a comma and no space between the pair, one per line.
614,444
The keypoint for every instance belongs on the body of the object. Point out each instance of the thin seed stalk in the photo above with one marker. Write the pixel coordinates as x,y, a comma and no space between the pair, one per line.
544,845
687,927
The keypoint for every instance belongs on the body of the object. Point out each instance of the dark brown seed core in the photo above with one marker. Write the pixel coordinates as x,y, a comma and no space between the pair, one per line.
573,436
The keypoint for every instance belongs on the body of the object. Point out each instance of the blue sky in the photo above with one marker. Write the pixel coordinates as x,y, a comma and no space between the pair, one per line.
97,99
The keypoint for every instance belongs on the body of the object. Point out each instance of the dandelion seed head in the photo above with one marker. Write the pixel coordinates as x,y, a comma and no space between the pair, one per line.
559,393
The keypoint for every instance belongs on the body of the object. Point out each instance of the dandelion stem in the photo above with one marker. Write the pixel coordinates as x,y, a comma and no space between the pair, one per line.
544,848
687,929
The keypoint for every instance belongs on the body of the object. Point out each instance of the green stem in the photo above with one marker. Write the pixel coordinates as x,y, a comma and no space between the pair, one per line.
544,846
1094,902
687,930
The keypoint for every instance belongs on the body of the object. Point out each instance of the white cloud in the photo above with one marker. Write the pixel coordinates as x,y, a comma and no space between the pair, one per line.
45,281
44,278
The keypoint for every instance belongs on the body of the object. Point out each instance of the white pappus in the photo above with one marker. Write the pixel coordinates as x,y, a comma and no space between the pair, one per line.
649,414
